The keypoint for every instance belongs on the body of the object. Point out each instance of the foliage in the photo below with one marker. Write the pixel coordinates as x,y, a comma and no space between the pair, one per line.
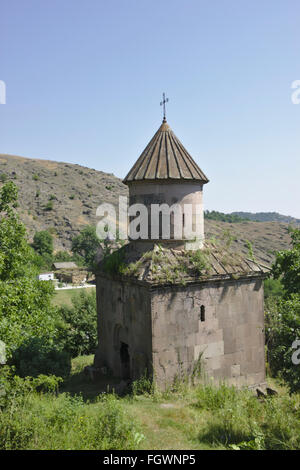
36,356
113,263
49,206
78,331
34,420
43,242
143,385
250,249
273,289
283,314
199,261
220,216
25,302
287,265
86,244
282,329
239,421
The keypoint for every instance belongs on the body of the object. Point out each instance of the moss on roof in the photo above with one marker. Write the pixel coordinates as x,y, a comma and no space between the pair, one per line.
163,265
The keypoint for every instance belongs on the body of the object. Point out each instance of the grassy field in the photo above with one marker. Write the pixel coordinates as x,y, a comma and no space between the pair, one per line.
199,417
64,296
79,416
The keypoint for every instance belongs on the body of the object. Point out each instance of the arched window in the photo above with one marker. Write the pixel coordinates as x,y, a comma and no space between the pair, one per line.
202,313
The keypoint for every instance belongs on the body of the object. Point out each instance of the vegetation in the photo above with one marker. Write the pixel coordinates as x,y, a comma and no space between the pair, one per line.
79,328
43,242
283,314
25,302
49,206
221,217
287,265
44,413
86,245
34,420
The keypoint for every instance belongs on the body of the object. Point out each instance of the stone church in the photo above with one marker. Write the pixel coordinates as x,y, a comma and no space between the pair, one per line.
171,311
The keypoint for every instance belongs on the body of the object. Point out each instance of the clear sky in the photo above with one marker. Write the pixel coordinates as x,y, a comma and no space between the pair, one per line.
84,81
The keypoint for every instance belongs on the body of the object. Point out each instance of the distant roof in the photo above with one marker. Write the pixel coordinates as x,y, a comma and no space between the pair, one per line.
65,265
165,158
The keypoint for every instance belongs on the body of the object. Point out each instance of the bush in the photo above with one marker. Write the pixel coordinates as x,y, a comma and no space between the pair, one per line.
35,356
79,328
273,289
43,242
283,328
31,420
49,206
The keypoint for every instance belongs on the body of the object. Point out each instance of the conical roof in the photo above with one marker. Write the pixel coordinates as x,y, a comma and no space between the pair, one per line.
165,158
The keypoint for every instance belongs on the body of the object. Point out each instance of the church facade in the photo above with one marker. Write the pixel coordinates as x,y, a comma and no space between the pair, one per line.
175,307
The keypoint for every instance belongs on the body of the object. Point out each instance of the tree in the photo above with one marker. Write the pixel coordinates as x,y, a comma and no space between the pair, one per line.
25,302
287,265
282,330
43,242
283,314
86,245
79,327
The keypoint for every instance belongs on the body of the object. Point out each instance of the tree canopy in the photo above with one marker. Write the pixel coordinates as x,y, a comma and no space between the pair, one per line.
287,265
25,302
86,244
43,242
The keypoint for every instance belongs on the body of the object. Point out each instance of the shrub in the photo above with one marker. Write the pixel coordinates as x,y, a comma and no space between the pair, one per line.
3,177
273,289
114,263
43,242
49,206
79,328
283,328
36,356
27,416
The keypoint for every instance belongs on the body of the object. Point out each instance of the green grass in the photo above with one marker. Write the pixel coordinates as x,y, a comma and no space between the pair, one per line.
64,296
83,416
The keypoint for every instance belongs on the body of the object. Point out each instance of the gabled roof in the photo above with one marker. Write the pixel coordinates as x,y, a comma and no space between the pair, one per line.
65,265
165,158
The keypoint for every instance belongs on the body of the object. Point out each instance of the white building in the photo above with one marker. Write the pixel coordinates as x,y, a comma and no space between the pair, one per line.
46,277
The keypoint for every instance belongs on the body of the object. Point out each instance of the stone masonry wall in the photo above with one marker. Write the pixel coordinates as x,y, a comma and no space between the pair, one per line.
124,316
231,337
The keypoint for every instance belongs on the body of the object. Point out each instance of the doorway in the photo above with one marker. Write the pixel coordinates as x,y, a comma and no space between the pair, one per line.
125,361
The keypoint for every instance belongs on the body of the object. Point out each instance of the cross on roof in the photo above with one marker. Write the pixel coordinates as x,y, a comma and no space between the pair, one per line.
163,103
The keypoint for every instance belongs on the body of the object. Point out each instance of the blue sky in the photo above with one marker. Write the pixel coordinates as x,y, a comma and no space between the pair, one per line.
84,81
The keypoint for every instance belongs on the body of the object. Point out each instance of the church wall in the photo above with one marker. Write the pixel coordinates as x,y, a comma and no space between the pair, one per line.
124,316
230,338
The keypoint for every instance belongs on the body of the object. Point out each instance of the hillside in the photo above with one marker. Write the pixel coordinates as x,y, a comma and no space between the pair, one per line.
74,191
267,217
63,197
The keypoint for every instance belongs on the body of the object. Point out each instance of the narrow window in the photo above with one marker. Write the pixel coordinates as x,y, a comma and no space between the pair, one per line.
202,313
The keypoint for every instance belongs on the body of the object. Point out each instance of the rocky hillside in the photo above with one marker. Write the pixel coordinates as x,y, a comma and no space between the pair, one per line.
63,197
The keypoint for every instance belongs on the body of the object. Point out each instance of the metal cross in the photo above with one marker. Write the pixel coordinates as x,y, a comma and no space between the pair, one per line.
163,103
